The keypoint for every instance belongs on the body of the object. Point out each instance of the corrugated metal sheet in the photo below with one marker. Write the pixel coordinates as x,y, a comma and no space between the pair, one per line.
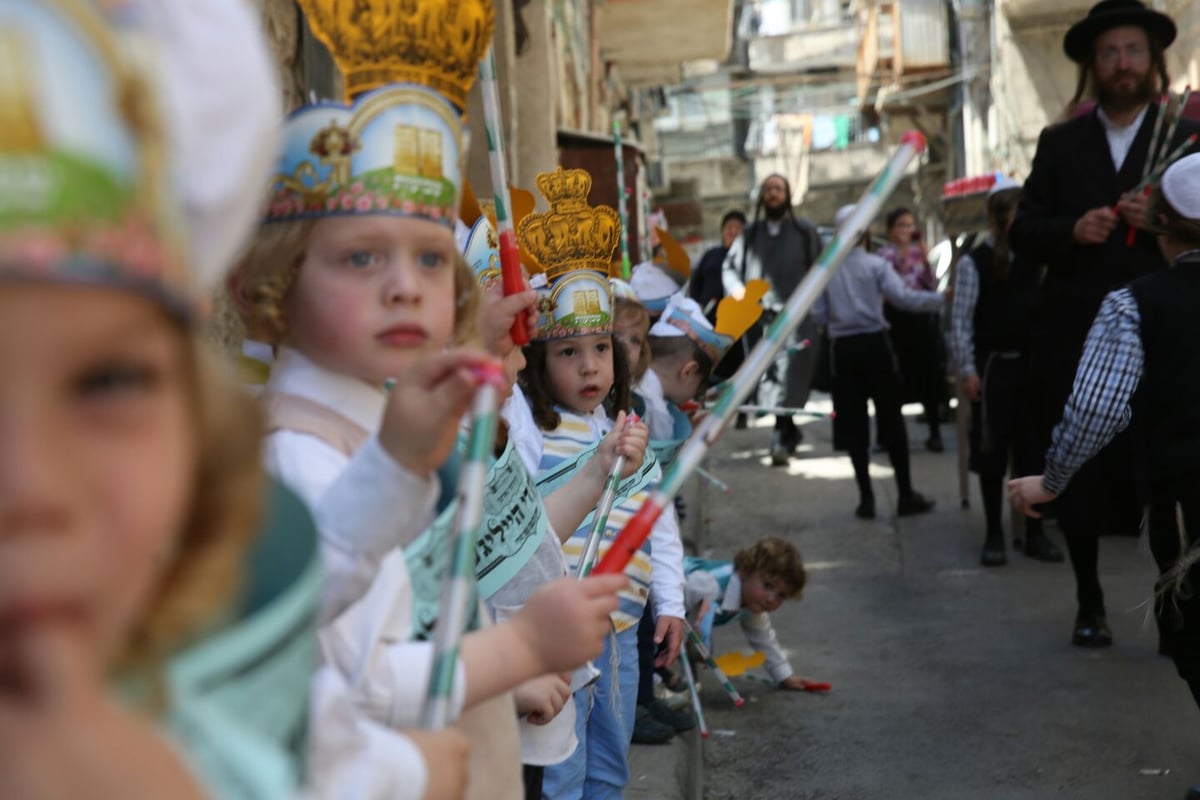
924,34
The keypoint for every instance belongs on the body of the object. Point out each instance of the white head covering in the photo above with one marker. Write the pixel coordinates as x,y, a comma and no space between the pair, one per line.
653,285
1003,184
224,111
1181,186
686,305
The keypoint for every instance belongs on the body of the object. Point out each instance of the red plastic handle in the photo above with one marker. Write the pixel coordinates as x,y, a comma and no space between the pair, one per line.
629,540
513,281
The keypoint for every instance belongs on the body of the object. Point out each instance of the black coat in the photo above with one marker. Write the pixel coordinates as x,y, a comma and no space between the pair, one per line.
1072,174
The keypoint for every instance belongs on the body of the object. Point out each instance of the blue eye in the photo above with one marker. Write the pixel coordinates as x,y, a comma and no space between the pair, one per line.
567,352
361,259
433,260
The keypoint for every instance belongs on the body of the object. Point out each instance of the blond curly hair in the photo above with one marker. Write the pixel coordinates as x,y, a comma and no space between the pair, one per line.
265,275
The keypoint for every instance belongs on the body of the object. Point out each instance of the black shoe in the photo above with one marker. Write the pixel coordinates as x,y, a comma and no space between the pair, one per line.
781,454
934,444
914,503
648,730
740,423
993,552
1039,546
1091,630
678,721
866,508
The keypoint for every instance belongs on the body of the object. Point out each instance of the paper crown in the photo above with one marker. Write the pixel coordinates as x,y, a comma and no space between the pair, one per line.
398,148
481,245
84,193
432,43
656,282
573,245
684,317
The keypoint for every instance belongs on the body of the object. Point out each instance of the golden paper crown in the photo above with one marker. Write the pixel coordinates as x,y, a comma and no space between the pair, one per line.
433,43
572,235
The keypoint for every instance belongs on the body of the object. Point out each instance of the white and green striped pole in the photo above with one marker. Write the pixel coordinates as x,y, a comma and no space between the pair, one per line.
631,537
510,254
622,202
591,545
458,592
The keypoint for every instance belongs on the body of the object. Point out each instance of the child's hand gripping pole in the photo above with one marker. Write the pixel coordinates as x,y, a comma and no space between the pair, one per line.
717,671
591,545
510,255
694,694
690,456
458,593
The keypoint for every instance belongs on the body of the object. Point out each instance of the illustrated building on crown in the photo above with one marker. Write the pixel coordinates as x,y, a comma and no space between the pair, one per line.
482,245
397,148
572,245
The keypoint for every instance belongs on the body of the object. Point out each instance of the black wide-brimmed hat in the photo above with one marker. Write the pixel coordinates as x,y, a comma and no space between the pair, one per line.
1109,14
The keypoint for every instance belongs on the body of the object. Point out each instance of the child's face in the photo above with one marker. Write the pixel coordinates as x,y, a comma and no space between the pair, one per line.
762,593
630,332
97,467
680,380
580,371
373,292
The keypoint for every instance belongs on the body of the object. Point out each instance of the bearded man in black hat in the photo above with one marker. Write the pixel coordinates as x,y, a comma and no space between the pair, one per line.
778,247
1075,217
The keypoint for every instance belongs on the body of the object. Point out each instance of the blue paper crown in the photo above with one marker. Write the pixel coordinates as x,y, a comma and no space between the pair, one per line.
396,151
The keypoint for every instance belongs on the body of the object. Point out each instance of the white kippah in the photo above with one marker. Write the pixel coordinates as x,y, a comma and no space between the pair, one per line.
686,305
1181,186
1003,184
652,282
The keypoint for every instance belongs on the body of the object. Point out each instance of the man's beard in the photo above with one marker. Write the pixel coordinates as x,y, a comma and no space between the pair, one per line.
1121,99
775,212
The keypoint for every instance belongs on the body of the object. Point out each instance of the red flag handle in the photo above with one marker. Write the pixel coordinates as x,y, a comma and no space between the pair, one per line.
513,281
629,540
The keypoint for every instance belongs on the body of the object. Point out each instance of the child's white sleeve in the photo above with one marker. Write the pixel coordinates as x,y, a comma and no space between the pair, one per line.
387,675
666,566
363,507
352,756
761,636
699,586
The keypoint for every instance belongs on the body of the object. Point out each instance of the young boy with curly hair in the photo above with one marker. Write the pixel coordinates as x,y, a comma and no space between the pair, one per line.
748,589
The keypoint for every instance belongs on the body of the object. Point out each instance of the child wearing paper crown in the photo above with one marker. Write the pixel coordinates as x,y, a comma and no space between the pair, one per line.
131,485
520,550
577,384
748,589
356,278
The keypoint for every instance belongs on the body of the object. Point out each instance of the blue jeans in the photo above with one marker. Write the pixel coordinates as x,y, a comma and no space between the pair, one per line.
604,714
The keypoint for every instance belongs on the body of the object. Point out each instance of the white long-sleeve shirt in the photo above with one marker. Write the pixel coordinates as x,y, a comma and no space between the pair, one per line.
852,303
365,506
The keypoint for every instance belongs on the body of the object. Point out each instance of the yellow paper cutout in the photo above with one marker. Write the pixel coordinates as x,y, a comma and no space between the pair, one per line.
735,317
738,663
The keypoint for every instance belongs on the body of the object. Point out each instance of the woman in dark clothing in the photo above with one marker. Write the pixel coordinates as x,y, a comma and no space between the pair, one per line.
916,336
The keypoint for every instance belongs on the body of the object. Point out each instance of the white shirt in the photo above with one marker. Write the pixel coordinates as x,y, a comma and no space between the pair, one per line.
364,507
658,415
1120,139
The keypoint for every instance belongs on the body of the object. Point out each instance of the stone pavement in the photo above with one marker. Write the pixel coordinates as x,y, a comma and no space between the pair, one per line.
949,681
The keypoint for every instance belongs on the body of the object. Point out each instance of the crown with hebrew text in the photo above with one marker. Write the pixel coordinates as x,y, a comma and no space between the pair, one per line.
572,244
398,148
